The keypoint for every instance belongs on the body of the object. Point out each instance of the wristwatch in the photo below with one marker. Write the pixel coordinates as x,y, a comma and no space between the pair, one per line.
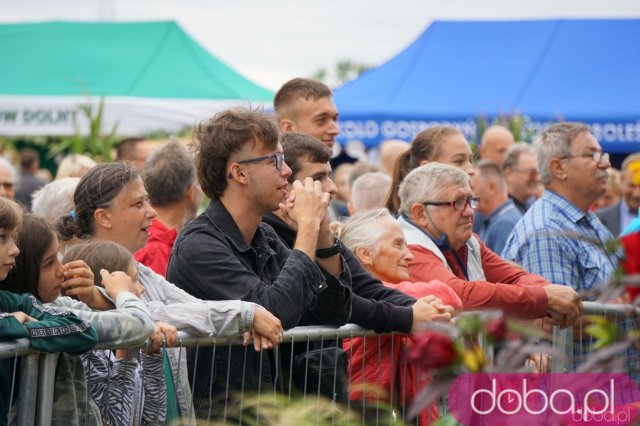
330,251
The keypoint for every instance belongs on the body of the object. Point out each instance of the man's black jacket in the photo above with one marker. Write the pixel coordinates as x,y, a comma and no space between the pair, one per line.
211,261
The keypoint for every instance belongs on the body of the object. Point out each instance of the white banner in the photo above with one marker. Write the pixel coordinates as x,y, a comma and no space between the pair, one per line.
51,115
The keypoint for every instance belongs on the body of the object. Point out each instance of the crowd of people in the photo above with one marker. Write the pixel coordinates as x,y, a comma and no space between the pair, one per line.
117,253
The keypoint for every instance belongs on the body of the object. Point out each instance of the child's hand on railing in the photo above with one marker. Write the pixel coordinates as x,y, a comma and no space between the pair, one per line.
164,335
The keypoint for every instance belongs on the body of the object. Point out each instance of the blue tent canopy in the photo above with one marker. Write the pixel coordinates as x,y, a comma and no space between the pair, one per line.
548,70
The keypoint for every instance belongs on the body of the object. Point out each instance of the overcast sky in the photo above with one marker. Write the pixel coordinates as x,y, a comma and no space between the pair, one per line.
273,41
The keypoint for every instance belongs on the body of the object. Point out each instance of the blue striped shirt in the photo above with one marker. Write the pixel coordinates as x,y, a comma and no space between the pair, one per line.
557,240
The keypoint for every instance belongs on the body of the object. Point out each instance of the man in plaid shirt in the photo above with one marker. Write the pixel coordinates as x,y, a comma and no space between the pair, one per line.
558,237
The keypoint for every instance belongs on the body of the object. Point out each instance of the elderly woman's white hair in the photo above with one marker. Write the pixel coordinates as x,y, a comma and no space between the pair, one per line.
425,182
55,199
74,165
364,230
7,165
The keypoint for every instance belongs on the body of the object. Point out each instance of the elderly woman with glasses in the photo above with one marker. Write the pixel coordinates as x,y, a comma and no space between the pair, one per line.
378,243
436,216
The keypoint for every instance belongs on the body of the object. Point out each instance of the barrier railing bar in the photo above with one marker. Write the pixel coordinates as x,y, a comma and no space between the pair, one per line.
610,309
12,348
563,339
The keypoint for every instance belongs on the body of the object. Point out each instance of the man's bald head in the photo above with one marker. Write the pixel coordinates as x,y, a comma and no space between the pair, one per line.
390,150
495,143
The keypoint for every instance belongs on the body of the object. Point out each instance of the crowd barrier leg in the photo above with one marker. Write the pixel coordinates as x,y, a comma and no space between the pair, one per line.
46,381
28,396
562,340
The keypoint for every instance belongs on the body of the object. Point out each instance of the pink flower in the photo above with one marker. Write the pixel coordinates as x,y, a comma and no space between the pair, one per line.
430,349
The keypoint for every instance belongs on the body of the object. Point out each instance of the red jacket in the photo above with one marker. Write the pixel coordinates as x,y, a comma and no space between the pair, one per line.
155,254
385,373
515,291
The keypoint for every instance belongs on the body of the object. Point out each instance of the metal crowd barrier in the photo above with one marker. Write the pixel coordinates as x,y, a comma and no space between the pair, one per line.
575,342
276,397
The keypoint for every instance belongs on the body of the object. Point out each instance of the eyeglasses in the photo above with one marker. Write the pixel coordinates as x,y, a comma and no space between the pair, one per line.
8,186
597,156
458,205
278,156
278,161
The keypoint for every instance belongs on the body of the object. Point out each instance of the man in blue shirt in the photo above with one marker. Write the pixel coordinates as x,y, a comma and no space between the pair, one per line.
558,237
501,215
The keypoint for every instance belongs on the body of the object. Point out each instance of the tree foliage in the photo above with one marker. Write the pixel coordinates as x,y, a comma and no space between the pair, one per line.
344,70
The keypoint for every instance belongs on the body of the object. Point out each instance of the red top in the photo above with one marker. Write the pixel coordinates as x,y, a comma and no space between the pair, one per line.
385,373
515,291
155,254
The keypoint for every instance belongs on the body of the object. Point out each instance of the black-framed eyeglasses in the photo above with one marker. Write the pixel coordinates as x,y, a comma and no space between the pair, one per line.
597,156
458,205
278,160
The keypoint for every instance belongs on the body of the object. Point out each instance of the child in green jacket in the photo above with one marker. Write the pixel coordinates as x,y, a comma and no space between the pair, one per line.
22,316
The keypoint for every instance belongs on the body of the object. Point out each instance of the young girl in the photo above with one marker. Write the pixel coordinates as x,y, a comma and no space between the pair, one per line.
22,316
40,272
157,383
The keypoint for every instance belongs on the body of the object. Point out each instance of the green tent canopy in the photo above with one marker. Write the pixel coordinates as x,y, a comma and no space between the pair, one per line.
152,75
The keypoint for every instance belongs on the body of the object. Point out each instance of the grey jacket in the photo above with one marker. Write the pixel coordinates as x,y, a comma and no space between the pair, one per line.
129,324
610,217
169,304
